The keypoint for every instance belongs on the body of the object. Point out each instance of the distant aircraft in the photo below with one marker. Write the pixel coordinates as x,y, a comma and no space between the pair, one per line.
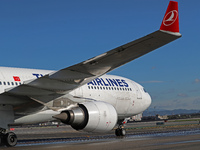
87,98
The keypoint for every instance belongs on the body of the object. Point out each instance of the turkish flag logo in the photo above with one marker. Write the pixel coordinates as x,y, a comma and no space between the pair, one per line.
16,78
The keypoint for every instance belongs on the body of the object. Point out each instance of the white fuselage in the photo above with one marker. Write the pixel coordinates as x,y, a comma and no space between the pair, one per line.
128,97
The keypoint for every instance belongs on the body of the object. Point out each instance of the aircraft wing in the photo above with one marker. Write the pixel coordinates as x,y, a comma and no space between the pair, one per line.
63,81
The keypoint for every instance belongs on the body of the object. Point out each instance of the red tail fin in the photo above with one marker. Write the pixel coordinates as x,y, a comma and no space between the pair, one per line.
171,19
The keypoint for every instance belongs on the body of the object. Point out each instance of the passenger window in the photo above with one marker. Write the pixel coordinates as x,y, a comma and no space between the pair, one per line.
16,83
4,83
12,83
8,83
0,83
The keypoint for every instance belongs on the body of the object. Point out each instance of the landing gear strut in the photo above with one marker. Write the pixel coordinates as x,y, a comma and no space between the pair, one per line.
9,139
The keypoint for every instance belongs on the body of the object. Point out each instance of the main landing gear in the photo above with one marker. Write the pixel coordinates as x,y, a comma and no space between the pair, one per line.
120,131
9,139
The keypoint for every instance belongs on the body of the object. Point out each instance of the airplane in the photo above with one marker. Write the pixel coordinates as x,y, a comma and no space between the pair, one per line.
82,95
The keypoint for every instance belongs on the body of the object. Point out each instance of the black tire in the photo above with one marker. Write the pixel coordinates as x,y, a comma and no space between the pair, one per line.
2,139
122,132
10,139
117,132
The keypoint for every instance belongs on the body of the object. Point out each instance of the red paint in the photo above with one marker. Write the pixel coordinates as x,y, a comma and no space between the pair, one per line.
16,78
171,19
12,129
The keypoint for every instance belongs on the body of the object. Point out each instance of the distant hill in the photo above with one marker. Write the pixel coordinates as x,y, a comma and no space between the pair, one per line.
153,112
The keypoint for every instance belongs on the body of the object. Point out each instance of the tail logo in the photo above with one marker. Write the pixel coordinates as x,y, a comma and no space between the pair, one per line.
170,18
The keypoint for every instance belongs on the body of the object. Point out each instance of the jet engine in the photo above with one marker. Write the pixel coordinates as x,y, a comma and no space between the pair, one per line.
90,116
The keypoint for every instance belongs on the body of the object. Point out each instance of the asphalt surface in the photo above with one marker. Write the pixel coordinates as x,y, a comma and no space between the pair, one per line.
140,135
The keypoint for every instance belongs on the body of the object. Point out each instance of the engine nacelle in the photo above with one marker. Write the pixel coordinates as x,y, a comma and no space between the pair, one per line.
90,116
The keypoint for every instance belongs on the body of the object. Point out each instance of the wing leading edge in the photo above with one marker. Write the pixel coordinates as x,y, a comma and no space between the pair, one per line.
63,81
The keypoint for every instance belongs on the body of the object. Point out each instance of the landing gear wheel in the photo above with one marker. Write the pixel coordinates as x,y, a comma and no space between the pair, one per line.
1,137
10,139
120,132
117,132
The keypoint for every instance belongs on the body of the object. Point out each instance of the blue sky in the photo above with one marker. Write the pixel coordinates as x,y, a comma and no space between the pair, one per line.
52,34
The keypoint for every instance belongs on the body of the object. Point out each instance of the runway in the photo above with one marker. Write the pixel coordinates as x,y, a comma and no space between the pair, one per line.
143,143
184,135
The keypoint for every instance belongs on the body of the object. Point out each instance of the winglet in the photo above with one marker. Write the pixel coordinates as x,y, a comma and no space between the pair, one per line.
171,19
